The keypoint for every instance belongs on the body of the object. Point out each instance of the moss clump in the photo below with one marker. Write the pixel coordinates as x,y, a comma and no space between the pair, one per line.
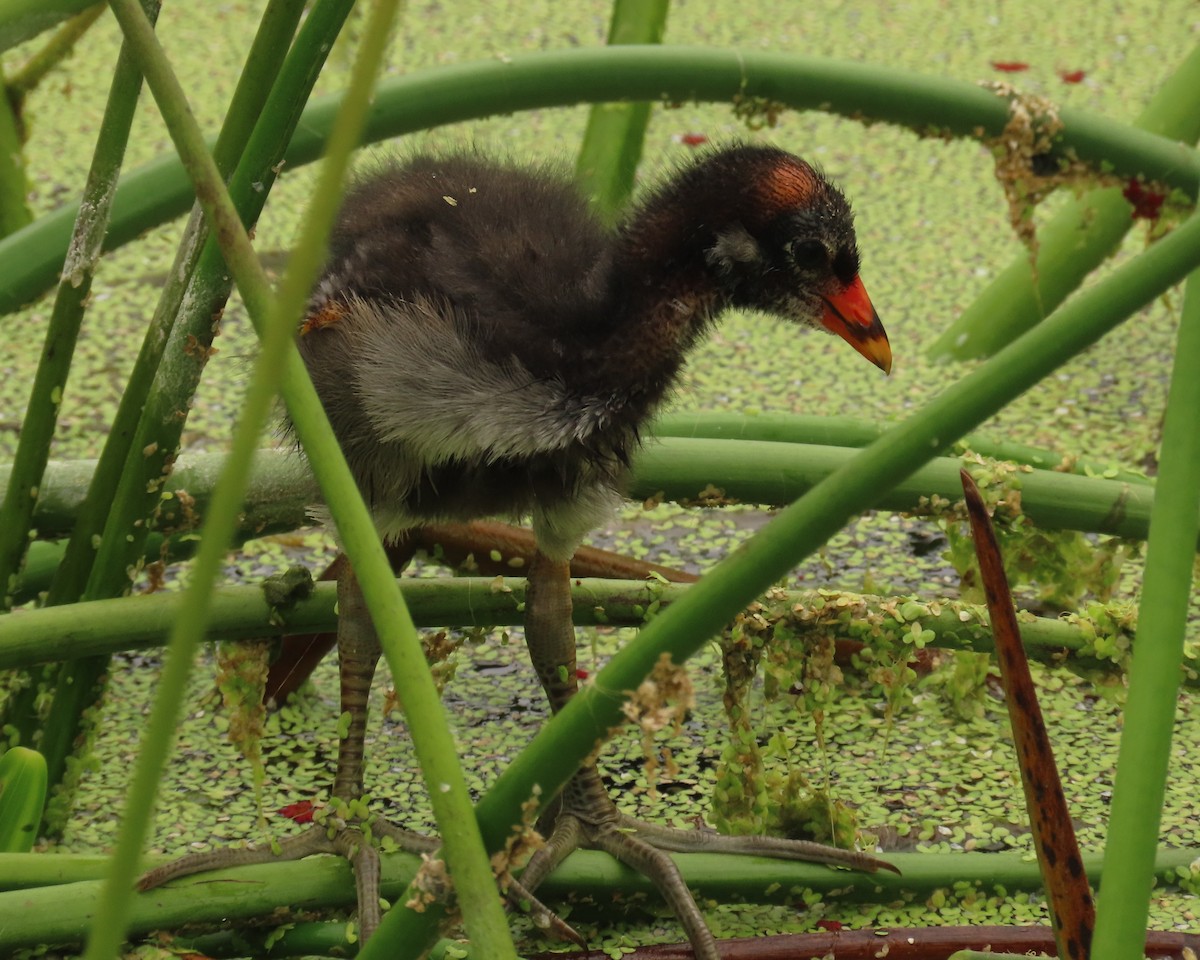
1062,566
759,790
242,680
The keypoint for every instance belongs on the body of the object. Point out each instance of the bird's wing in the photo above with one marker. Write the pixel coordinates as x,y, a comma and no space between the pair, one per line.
424,382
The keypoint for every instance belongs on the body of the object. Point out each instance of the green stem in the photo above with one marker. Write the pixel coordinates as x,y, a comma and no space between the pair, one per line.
678,468
14,185
427,98
116,897
281,487
139,452
652,73
150,418
54,898
44,558
1154,678
22,713
482,908
756,472
243,612
1085,232
842,431
612,142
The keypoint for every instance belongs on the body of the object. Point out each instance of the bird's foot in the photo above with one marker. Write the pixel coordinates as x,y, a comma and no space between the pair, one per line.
348,831
589,818
343,829
520,898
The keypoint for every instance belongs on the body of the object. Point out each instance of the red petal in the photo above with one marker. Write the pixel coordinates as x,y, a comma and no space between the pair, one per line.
1071,76
300,812
1009,66
1147,204
693,139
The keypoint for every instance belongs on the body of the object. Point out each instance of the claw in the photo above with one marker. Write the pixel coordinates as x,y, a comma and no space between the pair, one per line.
545,919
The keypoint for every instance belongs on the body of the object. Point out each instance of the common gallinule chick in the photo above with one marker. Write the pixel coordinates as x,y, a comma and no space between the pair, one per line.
484,346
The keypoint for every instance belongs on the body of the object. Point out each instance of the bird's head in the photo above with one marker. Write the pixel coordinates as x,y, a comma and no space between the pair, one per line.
785,244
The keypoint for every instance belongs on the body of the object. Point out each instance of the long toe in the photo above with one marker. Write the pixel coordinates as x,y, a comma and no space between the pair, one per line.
348,841
566,837
313,840
780,848
600,828
653,863
522,900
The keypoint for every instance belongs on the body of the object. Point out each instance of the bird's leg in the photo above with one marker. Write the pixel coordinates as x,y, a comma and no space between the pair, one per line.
358,654
341,832
585,815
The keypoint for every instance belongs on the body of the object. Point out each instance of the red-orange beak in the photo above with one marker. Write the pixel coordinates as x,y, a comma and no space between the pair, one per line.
851,316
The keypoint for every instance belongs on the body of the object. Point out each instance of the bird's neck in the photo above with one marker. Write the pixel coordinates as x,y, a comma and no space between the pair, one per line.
670,305
666,298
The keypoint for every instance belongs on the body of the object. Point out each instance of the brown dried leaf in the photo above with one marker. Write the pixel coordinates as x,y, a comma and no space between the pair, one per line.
1070,898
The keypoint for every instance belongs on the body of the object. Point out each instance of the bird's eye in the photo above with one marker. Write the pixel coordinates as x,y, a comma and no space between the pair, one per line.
808,253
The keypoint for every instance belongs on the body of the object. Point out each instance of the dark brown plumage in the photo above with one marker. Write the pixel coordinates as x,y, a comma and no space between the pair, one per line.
484,346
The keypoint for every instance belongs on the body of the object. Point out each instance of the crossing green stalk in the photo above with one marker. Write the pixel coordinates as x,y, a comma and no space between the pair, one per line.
450,94
242,612
108,541
1144,756
52,899
14,185
612,142
842,431
679,468
149,419
1072,243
